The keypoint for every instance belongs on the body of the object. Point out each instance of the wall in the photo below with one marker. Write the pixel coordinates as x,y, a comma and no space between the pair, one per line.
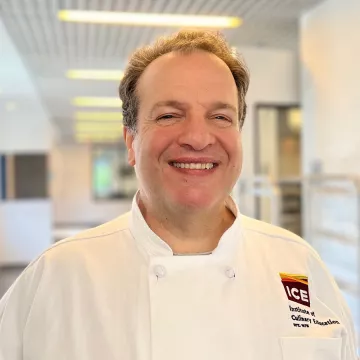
269,142
25,226
273,80
25,230
25,126
330,53
71,189
330,74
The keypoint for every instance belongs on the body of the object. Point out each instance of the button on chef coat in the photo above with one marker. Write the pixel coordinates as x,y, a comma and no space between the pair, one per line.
117,292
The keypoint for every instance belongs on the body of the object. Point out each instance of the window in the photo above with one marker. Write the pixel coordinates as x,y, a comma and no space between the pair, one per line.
112,177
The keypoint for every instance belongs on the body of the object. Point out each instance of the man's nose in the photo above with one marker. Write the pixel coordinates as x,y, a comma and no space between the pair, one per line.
196,133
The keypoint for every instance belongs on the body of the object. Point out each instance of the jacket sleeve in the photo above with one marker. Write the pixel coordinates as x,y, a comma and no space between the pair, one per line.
14,310
328,292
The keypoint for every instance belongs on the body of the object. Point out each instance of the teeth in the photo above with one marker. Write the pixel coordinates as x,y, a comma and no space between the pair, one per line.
194,166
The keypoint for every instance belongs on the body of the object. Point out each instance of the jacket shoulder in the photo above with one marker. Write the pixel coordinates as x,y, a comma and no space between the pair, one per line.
117,225
85,242
266,231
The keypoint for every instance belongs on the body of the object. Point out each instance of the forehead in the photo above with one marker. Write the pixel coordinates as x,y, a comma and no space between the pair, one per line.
196,76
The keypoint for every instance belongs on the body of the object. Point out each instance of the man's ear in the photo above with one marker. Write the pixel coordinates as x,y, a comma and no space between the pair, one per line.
129,140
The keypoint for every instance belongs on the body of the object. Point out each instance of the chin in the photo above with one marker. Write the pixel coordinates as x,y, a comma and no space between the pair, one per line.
193,201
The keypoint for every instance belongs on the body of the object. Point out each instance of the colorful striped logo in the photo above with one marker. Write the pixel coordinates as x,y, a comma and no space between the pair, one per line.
296,288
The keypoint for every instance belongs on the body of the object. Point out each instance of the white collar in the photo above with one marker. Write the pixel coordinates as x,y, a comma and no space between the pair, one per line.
153,246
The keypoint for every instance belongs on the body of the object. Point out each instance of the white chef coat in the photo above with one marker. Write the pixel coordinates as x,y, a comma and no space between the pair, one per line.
117,292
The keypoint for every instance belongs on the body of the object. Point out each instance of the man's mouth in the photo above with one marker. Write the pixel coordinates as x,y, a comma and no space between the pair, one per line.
193,166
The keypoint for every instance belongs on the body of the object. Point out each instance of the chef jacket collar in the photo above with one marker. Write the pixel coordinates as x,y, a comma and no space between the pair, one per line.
153,246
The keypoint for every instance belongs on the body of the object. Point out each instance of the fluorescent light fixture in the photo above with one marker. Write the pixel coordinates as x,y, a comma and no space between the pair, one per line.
97,141
88,138
81,127
98,116
101,133
93,101
98,136
95,74
148,19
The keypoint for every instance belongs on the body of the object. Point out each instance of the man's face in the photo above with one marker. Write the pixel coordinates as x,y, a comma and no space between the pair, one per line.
187,150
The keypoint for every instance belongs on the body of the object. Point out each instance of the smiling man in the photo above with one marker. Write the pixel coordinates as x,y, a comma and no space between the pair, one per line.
186,146
183,276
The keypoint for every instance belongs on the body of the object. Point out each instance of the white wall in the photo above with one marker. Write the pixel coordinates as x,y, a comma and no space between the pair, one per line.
269,142
71,189
330,58
273,80
25,226
26,126
330,55
25,230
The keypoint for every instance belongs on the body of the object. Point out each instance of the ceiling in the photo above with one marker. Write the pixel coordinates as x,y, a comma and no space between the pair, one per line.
49,47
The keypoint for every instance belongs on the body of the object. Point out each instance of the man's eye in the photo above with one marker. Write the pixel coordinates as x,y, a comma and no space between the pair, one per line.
221,117
169,118
166,116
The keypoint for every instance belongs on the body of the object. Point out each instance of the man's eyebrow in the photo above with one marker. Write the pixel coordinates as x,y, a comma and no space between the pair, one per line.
222,105
171,103
217,105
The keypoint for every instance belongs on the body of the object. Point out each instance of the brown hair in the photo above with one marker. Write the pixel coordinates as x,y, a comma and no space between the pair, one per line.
185,41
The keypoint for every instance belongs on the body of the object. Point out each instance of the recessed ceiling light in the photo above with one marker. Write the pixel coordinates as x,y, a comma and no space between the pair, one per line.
147,19
93,101
98,116
95,74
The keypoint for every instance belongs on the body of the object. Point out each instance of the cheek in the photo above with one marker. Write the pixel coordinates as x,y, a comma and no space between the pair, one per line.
240,150
154,144
233,146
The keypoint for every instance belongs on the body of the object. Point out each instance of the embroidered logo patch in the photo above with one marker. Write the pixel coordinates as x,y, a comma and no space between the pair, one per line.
296,288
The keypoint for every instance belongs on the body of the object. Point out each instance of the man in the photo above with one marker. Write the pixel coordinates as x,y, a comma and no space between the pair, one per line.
183,276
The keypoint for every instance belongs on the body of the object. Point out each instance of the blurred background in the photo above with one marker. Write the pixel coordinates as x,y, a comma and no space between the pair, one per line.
62,159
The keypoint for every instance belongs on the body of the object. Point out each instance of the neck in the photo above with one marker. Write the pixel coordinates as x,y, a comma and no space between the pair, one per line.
186,231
